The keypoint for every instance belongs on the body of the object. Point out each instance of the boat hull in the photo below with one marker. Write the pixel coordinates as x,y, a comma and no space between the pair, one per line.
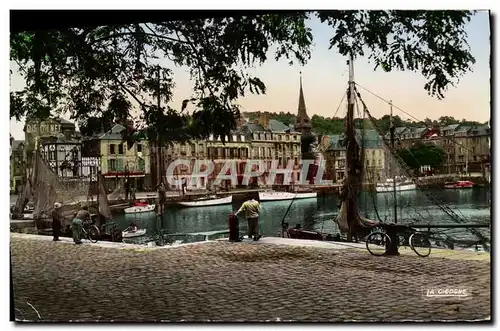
204,203
459,185
277,196
399,188
138,233
140,209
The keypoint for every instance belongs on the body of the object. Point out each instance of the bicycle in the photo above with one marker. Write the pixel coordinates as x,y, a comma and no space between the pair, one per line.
415,239
90,231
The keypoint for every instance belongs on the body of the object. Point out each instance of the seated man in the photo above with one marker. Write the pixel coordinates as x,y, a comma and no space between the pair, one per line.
133,227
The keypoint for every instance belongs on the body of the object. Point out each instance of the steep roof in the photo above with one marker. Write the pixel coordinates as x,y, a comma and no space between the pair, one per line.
335,143
419,130
452,127
252,127
277,126
480,130
114,133
398,131
372,139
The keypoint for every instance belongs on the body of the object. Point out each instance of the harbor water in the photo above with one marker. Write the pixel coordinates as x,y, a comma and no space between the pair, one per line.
471,205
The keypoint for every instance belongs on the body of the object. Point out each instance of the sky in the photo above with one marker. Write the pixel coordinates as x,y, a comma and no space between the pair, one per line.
325,78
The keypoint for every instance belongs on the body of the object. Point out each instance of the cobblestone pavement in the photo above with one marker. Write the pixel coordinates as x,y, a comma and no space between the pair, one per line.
239,282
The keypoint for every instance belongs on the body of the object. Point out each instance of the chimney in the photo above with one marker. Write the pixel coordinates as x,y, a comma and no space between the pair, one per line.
264,120
326,141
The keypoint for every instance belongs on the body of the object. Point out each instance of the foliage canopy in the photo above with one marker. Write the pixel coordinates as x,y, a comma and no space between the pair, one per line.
423,154
99,74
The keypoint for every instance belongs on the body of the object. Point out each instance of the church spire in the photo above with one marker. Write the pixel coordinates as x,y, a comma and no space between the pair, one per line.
302,121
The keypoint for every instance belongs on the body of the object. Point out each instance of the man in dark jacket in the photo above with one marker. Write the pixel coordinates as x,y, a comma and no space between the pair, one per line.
56,221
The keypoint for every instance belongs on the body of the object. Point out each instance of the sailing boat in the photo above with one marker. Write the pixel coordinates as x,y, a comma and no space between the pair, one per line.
348,219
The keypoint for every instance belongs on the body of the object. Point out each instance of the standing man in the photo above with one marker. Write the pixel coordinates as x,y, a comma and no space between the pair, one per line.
80,217
56,221
162,197
252,209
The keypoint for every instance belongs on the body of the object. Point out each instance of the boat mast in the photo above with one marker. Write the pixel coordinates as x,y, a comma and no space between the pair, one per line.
392,129
351,151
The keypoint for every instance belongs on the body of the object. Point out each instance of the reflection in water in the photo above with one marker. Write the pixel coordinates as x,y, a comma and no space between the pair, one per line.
317,214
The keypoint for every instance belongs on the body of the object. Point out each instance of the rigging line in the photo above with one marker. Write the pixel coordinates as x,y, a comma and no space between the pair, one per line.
445,208
408,114
340,104
412,155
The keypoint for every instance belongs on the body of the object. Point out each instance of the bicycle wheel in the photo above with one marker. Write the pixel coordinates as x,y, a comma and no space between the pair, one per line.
93,234
420,244
376,243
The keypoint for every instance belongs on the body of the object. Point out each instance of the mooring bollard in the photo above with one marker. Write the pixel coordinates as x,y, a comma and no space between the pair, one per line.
234,233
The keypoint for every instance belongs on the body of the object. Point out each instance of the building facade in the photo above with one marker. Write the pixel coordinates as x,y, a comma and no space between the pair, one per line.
334,152
119,160
35,130
272,140
17,165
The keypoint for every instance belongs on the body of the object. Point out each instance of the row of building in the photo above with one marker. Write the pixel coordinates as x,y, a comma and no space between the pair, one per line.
467,149
73,157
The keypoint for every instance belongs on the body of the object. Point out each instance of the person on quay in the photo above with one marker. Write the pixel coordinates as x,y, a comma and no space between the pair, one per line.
82,216
251,208
56,221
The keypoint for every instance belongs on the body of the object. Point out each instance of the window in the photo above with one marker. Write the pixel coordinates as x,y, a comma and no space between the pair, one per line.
112,164
379,161
120,165
120,149
52,155
139,148
142,165
112,150
74,153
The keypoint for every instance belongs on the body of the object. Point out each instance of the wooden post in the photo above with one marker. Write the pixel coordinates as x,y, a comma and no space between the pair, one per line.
392,249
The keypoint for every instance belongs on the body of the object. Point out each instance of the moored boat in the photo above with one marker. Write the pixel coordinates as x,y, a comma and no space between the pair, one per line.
276,196
207,201
402,184
132,234
140,207
459,184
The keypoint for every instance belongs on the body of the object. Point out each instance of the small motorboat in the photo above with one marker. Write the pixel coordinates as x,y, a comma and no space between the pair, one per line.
459,185
207,201
132,234
276,195
140,207
402,184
